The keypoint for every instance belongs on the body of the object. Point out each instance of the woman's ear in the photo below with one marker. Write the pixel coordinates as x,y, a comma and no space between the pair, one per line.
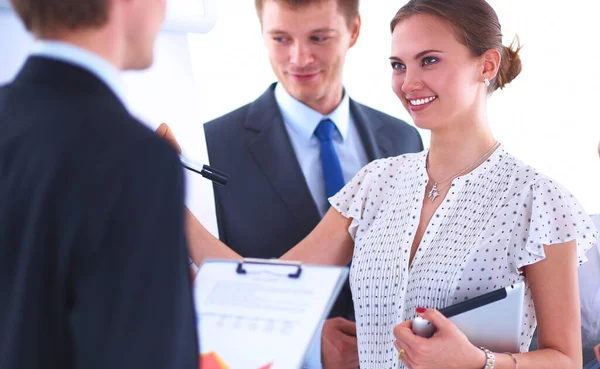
490,63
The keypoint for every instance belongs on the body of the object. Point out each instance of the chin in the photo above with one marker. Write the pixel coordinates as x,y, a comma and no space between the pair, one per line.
425,123
140,63
301,93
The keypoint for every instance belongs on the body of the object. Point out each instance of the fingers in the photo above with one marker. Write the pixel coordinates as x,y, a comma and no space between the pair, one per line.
406,324
406,359
436,318
597,352
162,130
345,326
405,338
167,134
350,344
339,350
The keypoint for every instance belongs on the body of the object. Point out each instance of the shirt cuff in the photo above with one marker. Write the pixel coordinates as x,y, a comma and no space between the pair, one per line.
313,357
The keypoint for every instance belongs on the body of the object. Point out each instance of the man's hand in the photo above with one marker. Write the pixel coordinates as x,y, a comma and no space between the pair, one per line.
339,348
165,132
597,352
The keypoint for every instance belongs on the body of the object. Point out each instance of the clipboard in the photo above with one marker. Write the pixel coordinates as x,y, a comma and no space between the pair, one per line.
261,313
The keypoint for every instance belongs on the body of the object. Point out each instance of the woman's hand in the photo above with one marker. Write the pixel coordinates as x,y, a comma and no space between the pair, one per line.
448,348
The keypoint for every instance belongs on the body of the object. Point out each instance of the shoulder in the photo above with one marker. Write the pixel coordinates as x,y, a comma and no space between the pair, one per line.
525,179
392,122
399,162
393,170
262,108
230,122
121,148
553,211
145,150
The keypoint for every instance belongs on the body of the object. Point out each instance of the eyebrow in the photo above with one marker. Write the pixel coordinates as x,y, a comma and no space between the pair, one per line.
419,55
318,30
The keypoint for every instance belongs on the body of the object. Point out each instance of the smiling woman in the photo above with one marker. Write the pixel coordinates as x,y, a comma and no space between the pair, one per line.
497,219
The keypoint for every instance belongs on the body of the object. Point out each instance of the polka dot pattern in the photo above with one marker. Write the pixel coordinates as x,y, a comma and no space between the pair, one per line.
492,222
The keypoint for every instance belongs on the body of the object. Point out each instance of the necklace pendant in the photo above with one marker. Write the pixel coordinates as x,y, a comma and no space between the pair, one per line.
433,193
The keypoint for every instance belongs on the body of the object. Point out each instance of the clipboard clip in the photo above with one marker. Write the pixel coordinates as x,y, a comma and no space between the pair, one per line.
240,267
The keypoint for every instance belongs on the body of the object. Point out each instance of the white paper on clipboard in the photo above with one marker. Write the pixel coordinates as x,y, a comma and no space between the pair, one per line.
261,314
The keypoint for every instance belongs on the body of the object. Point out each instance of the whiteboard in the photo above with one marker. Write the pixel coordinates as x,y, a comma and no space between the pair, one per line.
190,16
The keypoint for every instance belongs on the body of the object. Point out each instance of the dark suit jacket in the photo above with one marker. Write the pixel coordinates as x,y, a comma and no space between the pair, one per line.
93,261
266,208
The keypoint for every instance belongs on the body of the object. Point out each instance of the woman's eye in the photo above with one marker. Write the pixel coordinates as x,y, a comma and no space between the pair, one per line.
319,38
429,60
398,66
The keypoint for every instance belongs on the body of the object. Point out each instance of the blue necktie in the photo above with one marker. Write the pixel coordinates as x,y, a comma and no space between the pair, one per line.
332,170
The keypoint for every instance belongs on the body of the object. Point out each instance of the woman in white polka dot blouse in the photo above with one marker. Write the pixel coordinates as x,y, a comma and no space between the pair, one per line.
427,230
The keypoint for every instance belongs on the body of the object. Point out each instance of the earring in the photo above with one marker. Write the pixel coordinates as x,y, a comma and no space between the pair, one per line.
486,82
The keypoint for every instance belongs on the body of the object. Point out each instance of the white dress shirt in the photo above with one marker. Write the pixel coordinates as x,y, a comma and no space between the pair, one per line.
300,122
589,292
87,60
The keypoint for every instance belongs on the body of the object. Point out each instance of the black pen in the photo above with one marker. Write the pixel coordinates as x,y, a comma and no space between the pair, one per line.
205,171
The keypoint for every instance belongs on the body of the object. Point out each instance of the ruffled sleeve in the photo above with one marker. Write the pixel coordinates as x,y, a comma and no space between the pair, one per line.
549,214
356,199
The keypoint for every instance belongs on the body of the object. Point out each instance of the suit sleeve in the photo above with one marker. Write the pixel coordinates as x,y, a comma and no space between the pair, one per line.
132,294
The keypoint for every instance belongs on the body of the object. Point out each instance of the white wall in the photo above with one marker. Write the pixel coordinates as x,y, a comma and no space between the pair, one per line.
14,44
547,116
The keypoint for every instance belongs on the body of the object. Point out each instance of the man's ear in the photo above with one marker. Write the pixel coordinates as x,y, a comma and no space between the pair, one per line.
355,30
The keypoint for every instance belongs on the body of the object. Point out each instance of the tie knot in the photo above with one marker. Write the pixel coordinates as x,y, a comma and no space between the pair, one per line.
325,130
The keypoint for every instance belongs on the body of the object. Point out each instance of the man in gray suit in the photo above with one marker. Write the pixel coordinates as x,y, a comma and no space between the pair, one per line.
277,192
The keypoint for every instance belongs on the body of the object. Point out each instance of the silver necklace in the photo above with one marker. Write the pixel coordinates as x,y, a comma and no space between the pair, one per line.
434,193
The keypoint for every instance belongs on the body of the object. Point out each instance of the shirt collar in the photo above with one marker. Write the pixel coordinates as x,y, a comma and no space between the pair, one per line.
91,62
304,120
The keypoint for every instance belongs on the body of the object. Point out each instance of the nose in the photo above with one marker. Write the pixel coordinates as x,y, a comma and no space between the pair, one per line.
301,54
412,81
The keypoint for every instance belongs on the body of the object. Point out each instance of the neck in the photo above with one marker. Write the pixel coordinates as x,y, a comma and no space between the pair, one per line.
328,103
101,42
457,147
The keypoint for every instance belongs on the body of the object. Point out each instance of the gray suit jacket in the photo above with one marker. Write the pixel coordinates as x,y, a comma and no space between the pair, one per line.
266,208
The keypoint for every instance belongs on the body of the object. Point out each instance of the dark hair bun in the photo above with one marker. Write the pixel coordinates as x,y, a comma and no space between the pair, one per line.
511,66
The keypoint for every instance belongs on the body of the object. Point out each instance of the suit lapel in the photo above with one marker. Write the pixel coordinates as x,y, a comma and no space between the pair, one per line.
268,142
372,132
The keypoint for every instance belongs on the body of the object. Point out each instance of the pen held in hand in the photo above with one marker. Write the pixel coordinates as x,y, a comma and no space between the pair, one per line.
205,171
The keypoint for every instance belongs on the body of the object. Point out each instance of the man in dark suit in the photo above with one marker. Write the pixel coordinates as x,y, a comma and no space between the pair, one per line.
279,186
93,259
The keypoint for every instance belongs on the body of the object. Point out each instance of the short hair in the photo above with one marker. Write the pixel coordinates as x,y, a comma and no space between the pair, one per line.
348,8
43,15
476,26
